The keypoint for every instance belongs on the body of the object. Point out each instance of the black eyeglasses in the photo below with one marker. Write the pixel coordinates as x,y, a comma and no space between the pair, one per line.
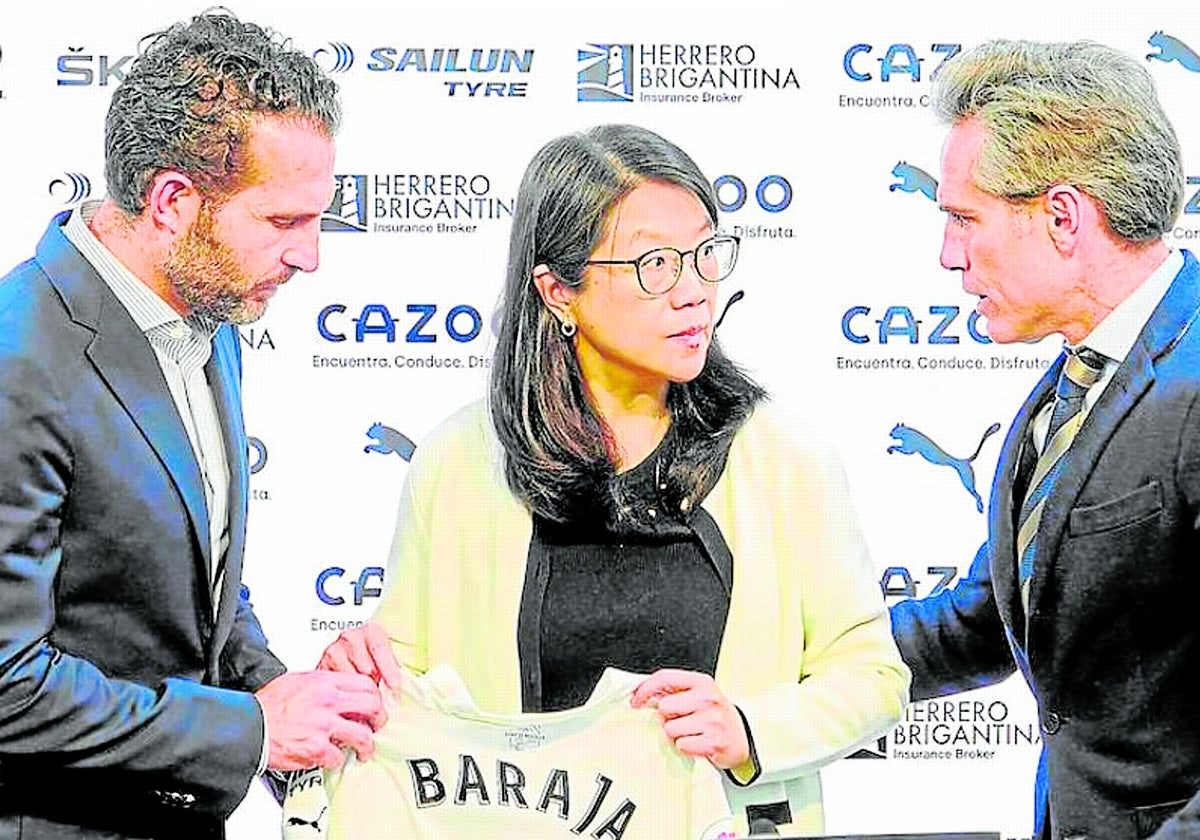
658,270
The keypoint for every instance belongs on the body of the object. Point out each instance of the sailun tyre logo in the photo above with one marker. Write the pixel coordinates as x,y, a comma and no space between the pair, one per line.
72,187
335,57
256,452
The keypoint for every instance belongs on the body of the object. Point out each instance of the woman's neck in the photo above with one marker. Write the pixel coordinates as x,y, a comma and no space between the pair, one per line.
637,423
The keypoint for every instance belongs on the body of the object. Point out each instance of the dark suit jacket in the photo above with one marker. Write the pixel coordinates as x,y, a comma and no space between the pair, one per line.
1113,652
124,709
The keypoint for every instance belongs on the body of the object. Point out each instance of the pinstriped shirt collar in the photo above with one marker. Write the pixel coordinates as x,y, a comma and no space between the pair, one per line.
151,313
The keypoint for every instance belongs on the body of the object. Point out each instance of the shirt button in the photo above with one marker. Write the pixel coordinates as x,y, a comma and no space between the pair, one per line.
1052,723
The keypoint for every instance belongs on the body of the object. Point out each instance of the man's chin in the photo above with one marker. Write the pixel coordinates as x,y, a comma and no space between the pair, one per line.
244,311
247,312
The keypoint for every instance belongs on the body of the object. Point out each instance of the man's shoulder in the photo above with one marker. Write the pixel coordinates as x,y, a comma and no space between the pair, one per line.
27,291
31,311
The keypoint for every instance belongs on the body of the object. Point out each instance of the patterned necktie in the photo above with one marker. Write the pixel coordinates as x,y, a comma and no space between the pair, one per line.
1082,369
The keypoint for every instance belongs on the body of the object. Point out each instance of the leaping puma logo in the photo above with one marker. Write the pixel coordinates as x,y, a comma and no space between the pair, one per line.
388,440
910,441
298,821
1172,49
913,179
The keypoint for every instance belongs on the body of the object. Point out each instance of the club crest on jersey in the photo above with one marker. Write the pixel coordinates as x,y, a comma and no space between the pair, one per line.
524,738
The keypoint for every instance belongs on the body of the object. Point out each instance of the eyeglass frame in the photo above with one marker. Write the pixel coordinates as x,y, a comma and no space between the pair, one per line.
637,270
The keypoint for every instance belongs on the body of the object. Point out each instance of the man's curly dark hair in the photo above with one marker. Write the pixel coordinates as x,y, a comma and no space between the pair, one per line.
191,96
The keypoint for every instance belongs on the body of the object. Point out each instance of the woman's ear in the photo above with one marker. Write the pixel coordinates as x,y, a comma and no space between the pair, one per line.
556,294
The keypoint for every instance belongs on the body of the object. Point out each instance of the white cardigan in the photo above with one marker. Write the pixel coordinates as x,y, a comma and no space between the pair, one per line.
807,653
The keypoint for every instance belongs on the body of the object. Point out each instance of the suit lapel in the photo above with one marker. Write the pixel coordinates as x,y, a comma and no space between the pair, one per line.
224,376
124,360
1170,320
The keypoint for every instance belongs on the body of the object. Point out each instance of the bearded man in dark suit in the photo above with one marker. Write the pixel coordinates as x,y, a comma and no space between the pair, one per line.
138,697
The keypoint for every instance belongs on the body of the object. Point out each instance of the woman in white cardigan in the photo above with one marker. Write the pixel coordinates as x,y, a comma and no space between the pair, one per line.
626,499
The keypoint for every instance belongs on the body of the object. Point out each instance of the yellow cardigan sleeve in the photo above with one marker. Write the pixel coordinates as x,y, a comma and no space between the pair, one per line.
808,654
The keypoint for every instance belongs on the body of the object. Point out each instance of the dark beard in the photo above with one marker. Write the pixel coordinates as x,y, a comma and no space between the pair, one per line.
205,274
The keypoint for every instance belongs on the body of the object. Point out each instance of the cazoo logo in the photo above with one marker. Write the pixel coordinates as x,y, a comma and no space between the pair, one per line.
900,322
773,193
367,584
899,582
461,323
1193,204
898,60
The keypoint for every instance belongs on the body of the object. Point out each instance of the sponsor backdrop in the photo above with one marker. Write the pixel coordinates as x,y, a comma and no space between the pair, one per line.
814,125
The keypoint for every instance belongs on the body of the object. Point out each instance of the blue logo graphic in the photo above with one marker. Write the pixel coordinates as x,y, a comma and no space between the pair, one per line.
335,57
376,319
76,70
771,184
909,441
360,587
257,452
902,322
348,209
74,186
1172,49
387,440
907,586
898,60
605,73
1193,205
913,179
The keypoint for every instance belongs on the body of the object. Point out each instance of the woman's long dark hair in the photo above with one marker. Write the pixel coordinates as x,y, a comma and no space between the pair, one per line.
556,446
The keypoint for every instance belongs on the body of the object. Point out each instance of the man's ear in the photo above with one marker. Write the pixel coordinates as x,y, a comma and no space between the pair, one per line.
556,294
1064,207
173,201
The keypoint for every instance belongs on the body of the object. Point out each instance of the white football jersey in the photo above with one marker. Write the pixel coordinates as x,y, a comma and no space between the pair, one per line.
443,769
